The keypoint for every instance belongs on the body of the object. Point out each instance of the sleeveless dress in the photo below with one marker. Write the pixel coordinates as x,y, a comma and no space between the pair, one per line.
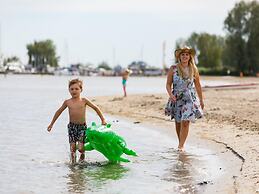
187,105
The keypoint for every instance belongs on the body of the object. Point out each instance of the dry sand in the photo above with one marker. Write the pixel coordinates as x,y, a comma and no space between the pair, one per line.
231,121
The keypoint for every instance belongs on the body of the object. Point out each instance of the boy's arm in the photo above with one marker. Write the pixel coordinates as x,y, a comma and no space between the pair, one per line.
97,110
57,114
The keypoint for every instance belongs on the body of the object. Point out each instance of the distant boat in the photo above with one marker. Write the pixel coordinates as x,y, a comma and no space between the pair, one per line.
66,71
153,72
14,67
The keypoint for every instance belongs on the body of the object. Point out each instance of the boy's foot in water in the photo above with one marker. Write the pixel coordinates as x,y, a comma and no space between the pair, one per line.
73,158
82,158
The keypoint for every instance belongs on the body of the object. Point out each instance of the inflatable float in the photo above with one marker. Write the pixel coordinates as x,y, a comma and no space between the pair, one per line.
103,139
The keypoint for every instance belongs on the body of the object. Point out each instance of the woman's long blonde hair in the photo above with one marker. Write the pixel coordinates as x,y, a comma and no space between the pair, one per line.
193,70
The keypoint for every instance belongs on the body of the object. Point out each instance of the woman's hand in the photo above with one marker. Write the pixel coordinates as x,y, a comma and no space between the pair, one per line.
202,104
172,98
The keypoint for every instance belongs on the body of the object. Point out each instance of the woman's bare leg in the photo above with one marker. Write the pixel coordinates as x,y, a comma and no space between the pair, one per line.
178,129
183,133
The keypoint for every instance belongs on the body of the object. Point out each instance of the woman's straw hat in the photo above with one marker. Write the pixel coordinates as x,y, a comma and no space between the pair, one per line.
184,49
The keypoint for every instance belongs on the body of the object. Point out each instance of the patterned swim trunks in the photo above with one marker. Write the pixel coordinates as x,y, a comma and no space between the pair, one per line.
76,132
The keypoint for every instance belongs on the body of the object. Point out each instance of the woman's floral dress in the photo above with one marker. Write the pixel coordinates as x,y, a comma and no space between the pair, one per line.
187,105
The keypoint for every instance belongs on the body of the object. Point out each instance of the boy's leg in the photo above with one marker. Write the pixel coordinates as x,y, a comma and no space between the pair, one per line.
81,150
73,152
124,90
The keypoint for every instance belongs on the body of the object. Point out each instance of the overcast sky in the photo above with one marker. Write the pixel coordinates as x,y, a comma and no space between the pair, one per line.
116,31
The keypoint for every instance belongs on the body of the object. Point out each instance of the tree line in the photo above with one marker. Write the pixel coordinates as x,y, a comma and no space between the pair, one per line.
43,53
238,51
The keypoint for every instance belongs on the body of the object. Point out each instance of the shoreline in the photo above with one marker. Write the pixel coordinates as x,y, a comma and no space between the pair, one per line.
229,125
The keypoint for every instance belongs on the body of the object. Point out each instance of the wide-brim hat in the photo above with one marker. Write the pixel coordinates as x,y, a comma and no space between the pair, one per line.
184,49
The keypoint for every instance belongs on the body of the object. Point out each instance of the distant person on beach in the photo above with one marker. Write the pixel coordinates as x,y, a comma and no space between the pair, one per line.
125,75
77,121
184,105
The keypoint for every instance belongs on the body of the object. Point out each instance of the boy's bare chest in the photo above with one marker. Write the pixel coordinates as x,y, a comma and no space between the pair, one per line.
76,106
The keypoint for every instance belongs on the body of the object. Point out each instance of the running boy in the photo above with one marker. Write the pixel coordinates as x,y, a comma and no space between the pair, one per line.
77,121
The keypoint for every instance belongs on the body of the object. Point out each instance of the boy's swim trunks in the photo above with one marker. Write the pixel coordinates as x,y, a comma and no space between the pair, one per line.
76,132
124,82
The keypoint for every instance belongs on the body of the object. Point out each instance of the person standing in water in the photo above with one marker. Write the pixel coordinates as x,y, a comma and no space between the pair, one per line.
77,118
125,76
185,98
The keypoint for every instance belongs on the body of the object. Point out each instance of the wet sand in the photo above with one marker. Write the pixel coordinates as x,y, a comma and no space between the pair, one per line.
230,125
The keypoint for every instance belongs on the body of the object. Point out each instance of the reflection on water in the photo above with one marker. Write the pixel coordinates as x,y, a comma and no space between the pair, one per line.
182,173
186,170
93,176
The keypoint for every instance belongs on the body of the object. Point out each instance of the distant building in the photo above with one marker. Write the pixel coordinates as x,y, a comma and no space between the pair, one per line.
137,67
142,68
1,60
14,67
63,71
77,69
153,71
117,70
2,68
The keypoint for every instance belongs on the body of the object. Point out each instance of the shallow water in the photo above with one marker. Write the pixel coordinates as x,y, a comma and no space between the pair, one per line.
34,161
37,162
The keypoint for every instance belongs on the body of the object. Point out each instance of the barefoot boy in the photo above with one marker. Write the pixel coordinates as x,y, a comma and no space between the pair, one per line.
77,122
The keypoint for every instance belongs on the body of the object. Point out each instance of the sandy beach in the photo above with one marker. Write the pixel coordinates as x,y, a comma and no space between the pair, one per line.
230,123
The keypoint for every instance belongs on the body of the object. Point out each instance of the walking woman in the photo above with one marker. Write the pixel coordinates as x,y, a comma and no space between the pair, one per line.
185,98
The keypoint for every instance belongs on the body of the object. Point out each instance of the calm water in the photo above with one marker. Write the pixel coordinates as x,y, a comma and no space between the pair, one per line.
34,161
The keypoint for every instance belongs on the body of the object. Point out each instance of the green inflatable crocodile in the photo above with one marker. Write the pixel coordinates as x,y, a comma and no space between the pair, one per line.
106,141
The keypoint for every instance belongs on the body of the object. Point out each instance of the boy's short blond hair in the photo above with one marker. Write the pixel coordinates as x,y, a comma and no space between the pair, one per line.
76,81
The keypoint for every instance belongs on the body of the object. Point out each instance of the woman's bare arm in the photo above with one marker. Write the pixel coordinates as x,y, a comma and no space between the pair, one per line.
169,82
198,89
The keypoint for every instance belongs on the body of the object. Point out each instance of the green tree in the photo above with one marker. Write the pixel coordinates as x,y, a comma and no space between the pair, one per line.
193,41
209,49
104,65
242,42
253,39
41,54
